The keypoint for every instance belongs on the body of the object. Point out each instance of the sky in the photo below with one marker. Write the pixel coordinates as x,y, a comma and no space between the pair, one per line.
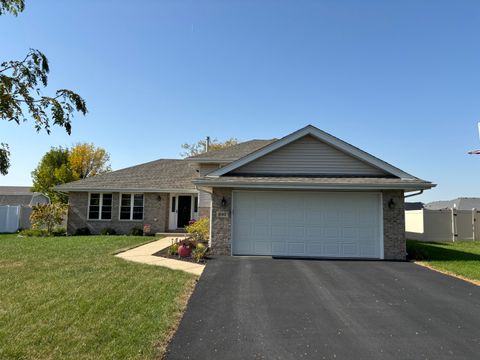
399,79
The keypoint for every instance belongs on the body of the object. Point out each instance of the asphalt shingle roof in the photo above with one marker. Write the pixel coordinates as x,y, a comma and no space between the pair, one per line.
233,152
164,174
16,195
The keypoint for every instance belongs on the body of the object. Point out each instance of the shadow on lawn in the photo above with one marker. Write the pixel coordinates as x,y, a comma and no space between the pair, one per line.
437,252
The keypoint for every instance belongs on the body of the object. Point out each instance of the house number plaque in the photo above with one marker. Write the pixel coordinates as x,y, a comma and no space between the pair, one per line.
222,214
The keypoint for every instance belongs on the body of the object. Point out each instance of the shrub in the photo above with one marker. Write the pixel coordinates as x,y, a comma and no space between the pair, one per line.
173,249
32,232
82,231
190,242
60,231
108,231
200,252
136,231
47,216
199,229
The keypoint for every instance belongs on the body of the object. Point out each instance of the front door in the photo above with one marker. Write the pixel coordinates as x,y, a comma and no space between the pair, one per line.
184,211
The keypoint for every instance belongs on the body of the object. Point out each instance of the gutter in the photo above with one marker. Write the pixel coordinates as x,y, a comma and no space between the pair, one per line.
411,187
414,194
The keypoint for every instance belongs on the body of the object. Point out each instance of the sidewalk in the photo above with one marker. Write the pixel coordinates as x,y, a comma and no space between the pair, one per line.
143,254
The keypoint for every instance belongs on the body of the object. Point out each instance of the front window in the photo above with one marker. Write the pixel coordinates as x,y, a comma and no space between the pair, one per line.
131,207
100,206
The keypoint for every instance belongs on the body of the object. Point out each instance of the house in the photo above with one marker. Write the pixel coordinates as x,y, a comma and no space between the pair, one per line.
308,194
21,195
414,206
16,206
461,203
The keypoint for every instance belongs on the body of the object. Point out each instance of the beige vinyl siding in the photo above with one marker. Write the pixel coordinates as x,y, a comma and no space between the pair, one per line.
204,169
309,156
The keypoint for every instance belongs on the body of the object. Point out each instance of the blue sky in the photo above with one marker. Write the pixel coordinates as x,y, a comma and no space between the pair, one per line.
397,79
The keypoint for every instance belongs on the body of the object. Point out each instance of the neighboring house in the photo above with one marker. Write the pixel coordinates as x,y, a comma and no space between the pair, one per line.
450,220
462,203
414,206
308,194
21,195
16,206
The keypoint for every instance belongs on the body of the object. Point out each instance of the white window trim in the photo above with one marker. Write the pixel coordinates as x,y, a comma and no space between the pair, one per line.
100,206
131,207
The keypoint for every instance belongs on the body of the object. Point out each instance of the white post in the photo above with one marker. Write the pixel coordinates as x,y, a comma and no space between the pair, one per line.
454,224
474,222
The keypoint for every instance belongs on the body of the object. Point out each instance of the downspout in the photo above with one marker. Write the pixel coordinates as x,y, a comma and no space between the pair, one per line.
415,194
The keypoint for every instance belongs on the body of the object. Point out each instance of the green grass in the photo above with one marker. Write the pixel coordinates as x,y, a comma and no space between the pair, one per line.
461,258
70,298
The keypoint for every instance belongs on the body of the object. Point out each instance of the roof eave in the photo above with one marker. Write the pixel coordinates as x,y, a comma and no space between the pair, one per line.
211,161
125,190
304,186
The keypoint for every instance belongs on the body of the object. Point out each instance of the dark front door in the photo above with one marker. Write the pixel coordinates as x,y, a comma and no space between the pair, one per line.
184,210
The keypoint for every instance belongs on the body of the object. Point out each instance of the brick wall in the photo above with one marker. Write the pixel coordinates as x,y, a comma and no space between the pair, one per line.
394,225
155,213
220,239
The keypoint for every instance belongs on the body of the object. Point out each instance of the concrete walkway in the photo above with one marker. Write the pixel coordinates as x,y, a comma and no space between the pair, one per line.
143,254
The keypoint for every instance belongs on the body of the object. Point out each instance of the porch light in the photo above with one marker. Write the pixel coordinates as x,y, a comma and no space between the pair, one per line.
159,198
391,204
224,201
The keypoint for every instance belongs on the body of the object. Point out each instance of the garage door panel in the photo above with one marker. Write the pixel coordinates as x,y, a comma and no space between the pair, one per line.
279,216
307,224
315,248
331,249
349,249
296,248
279,247
261,231
262,247
296,232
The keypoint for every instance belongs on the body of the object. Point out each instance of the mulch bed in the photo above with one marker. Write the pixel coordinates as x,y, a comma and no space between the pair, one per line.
164,253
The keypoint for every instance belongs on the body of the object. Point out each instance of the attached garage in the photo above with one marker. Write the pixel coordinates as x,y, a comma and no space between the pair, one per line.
307,224
308,194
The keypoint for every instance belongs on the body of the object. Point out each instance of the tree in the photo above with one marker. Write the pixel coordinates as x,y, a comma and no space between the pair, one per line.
54,169
21,98
47,216
87,160
200,146
4,158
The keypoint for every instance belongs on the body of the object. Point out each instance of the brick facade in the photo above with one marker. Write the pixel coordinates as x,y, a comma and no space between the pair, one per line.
394,245
155,213
393,223
221,223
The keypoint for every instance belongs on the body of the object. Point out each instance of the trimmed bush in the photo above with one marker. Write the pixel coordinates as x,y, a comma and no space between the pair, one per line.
32,232
136,231
199,229
200,252
108,231
82,231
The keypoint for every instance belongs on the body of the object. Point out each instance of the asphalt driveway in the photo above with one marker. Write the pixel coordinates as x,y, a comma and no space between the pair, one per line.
263,308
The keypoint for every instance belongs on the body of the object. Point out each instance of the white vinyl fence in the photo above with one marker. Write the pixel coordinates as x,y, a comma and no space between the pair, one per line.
13,218
442,225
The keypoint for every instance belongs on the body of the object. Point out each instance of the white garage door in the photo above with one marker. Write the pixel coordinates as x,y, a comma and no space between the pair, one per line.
307,224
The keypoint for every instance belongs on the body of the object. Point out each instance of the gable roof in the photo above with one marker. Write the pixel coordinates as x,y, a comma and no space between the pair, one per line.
231,153
16,190
20,195
462,203
322,136
155,176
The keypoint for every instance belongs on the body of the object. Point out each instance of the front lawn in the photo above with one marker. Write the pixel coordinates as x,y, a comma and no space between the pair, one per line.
70,298
461,258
